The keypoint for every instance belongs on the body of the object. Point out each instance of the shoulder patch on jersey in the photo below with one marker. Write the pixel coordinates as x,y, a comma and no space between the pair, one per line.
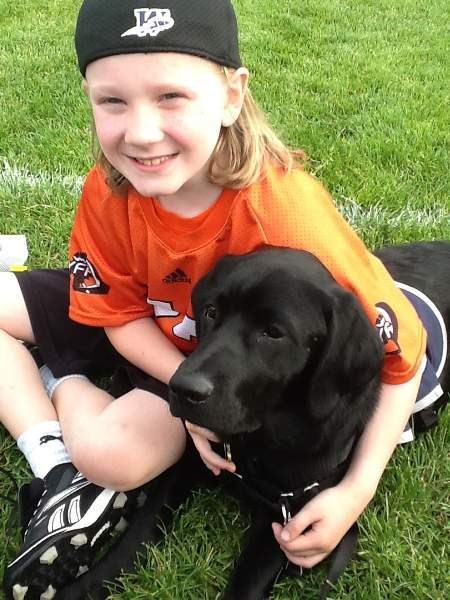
85,277
387,326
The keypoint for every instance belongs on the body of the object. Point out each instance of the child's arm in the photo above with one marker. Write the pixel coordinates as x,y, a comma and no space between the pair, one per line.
143,344
332,512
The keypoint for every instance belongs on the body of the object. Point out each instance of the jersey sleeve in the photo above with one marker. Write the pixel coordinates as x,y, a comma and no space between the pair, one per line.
107,264
303,216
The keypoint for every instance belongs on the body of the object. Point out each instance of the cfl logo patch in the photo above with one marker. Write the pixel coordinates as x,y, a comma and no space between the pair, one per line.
85,277
387,327
150,21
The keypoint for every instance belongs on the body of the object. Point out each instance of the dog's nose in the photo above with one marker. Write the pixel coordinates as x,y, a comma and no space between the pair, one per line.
192,388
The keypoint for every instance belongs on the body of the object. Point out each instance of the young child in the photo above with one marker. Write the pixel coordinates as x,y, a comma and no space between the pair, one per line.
188,171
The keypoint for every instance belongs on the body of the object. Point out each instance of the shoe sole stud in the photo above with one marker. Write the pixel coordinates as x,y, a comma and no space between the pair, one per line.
49,556
82,570
19,591
121,525
141,499
120,500
48,594
79,540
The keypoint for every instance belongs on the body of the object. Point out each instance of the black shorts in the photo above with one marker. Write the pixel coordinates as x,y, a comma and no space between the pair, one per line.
68,347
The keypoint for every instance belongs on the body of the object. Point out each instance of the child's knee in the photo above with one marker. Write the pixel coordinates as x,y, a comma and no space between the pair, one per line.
14,318
113,464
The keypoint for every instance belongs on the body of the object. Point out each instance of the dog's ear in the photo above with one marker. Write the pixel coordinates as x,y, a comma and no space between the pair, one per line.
351,356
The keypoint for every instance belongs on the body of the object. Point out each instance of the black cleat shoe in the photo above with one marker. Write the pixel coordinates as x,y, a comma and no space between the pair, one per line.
66,531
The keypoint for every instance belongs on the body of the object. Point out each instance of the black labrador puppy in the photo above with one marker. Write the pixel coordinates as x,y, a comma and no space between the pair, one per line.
287,372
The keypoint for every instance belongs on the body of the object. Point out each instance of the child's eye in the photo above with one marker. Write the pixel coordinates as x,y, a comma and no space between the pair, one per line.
112,100
171,96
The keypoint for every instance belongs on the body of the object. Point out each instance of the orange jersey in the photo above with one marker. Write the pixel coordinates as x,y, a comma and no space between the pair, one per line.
130,258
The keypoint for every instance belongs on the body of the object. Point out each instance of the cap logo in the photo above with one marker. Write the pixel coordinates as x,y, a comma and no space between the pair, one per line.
150,21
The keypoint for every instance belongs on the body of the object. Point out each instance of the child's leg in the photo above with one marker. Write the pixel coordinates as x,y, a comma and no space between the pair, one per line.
25,409
23,401
68,517
120,443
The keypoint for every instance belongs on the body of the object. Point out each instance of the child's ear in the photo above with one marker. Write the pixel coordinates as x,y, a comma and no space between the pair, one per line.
85,87
237,85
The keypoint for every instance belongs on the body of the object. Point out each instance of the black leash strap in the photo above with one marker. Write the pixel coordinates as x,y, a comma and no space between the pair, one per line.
341,557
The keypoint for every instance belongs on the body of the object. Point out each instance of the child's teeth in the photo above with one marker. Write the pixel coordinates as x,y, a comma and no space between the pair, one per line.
153,161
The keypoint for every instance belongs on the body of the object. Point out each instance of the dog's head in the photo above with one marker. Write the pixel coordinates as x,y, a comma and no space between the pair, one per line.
281,344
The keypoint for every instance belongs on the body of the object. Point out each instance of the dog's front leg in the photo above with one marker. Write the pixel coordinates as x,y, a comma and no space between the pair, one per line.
259,564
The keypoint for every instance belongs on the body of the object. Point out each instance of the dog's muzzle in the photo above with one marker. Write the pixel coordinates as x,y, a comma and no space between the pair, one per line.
188,392
193,389
205,402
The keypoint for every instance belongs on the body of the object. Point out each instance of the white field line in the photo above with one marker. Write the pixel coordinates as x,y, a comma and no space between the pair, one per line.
358,216
12,177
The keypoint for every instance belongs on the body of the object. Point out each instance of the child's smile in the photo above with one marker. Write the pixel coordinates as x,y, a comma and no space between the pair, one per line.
154,162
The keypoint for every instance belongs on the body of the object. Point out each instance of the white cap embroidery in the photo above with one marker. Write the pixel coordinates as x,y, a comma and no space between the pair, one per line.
150,21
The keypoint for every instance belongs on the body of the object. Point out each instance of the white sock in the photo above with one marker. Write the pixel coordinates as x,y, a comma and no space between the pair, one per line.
43,447
51,382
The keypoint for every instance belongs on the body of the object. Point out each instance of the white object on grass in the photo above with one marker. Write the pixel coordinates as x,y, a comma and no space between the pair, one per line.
13,251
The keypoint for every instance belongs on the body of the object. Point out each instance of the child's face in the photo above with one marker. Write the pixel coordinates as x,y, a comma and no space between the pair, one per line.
158,117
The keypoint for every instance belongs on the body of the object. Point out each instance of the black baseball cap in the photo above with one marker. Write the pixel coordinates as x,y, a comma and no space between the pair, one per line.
205,28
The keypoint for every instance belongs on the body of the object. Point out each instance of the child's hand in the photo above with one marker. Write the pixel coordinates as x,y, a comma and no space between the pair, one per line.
329,515
202,438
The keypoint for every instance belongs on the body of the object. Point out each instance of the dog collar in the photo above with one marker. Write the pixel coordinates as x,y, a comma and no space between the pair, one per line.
282,505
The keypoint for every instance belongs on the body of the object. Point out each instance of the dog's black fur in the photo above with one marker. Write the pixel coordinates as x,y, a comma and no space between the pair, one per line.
288,366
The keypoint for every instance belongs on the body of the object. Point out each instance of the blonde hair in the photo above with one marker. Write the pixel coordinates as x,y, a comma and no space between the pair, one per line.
238,160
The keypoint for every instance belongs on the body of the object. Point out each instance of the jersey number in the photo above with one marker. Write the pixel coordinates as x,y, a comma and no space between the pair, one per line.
184,330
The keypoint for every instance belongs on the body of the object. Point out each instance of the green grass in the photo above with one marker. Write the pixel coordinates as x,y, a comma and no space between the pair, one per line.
362,87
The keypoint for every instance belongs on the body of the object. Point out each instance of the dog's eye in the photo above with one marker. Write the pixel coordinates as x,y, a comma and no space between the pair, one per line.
273,332
312,344
210,312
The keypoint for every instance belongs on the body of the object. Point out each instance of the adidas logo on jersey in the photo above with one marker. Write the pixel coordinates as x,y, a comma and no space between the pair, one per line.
177,276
